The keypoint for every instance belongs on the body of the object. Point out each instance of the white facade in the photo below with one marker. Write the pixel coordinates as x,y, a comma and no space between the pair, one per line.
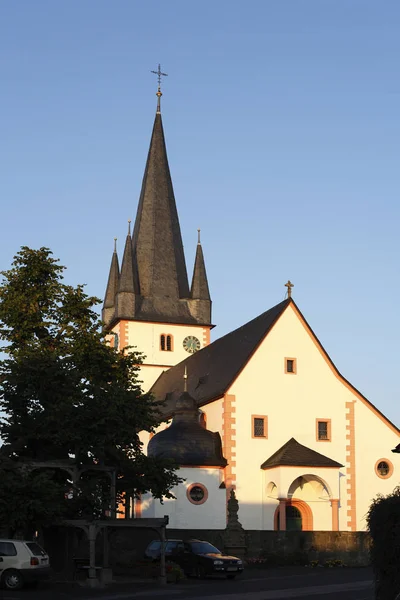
334,498
182,512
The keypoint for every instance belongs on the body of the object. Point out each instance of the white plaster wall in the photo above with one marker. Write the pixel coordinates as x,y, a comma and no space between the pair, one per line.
214,413
182,513
374,440
145,338
292,404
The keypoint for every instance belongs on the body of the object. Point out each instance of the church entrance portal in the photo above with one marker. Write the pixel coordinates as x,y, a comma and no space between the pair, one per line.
293,519
298,515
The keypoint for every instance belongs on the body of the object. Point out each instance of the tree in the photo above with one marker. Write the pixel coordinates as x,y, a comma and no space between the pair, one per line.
66,394
383,520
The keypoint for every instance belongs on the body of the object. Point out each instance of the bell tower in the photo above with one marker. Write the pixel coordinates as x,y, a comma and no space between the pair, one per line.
148,303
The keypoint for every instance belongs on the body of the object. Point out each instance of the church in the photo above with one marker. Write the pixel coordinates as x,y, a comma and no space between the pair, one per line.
262,410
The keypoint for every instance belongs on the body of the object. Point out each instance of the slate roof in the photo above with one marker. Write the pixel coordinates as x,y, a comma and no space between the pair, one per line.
112,285
153,274
212,369
199,288
157,241
185,441
293,454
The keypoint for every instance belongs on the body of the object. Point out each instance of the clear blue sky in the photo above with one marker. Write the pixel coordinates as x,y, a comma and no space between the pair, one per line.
283,125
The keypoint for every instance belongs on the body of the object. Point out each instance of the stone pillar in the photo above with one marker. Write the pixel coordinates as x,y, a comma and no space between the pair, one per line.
282,514
234,536
335,514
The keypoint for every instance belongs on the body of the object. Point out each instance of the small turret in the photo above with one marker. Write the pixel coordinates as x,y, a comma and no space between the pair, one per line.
126,297
185,441
108,311
200,300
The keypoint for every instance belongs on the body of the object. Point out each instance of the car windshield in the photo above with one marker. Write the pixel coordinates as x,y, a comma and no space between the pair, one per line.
204,548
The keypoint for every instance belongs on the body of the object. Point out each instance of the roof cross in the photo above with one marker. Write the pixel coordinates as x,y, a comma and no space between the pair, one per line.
159,74
289,286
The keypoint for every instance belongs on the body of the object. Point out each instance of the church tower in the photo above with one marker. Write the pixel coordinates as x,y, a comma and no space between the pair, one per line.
148,303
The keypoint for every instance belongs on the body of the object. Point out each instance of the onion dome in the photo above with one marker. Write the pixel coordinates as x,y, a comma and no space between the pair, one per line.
186,441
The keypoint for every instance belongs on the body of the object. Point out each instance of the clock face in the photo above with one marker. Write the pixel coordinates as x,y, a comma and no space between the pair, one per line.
191,344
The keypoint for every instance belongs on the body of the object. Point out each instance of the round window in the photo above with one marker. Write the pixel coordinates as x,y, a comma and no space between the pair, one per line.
383,468
197,493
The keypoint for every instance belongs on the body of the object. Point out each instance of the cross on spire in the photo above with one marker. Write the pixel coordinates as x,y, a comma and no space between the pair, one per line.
159,74
289,286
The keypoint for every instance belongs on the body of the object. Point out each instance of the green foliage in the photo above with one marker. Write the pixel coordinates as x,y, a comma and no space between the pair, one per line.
384,526
66,394
29,500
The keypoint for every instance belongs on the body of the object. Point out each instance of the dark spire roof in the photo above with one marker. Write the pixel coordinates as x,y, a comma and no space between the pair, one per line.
397,449
153,272
293,454
112,285
185,441
212,369
157,241
199,289
126,280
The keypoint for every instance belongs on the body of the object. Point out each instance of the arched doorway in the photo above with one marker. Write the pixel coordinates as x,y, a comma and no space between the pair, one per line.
294,521
299,516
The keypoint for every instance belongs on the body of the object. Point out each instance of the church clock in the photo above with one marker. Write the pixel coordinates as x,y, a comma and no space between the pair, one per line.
191,344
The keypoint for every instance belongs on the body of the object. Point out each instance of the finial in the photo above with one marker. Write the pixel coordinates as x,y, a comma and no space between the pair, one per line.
115,244
185,380
129,227
159,74
289,286
198,236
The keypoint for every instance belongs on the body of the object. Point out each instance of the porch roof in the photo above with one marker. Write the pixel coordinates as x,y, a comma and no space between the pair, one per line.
293,454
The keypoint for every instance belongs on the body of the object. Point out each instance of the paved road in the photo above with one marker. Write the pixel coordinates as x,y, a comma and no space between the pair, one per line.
294,583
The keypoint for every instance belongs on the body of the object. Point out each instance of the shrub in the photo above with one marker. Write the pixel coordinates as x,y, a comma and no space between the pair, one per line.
174,572
384,526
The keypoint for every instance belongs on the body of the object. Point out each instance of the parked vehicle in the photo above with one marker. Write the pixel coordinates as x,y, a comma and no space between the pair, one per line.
22,562
196,557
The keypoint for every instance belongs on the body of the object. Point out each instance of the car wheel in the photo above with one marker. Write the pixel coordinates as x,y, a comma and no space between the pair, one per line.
231,576
12,579
201,572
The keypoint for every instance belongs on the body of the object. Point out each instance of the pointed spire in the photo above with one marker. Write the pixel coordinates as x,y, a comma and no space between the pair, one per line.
112,287
126,297
199,289
126,280
157,242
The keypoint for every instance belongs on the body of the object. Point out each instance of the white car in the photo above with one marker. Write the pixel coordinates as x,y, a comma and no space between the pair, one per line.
22,562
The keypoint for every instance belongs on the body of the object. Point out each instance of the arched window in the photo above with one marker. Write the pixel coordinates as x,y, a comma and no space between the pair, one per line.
166,342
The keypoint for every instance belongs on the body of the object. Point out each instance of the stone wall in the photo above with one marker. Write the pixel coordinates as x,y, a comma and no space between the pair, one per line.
294,547
128,545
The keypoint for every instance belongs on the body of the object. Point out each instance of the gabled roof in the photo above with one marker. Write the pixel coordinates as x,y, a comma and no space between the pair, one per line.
212,369
293,454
